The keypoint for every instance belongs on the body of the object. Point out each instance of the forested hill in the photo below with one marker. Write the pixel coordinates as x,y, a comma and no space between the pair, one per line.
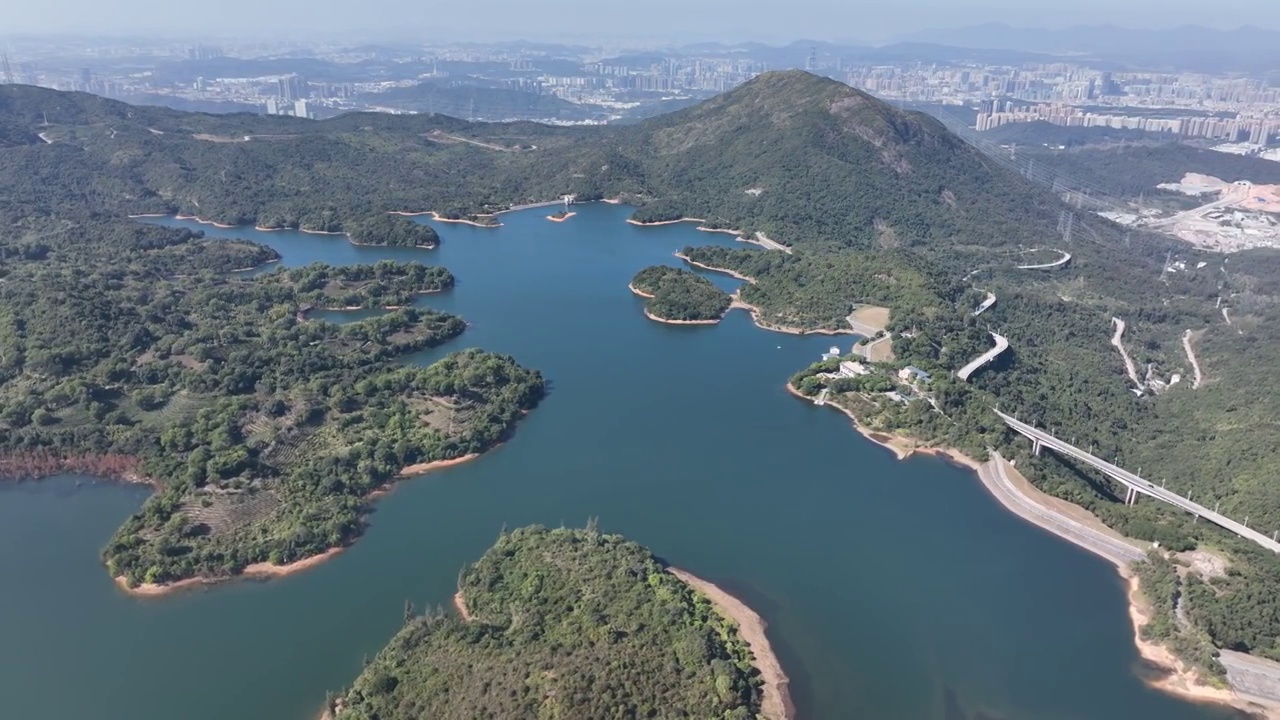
563,624
801,158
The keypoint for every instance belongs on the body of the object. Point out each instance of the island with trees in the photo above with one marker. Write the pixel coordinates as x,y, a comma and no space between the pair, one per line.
386,229
569,623
676,295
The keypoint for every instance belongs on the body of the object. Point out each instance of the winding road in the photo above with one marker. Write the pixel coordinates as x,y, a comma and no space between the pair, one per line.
1066,258
1002,344
986,304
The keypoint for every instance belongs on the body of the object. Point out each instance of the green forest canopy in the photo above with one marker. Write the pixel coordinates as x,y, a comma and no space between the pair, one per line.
566,624
678,294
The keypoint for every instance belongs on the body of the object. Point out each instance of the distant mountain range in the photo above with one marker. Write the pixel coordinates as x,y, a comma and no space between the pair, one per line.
1186,47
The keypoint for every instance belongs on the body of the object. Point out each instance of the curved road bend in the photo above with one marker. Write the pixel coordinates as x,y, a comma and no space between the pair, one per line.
995,476
1066,258
986,304
1002,344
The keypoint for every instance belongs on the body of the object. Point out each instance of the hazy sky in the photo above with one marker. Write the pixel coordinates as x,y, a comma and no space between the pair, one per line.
679,20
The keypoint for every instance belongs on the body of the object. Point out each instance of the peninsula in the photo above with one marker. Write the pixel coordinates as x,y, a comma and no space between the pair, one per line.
263,433
574,623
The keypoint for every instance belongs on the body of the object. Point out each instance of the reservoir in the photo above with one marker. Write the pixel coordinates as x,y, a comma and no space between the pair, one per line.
893,590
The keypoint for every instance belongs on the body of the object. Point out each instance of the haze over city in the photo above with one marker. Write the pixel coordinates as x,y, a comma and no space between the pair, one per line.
669,20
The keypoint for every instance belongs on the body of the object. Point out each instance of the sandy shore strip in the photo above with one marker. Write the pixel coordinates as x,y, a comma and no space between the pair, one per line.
665,321
264,570
255,570
562,218
664,222
633,289
1182,681
758,318
655,318
461,221
201,221
425,467
727,231
710,268
460,604
776,704
436,216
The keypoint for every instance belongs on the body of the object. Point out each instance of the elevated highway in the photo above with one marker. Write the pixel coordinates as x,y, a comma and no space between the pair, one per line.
1002,344
986,304
1066,258
1135,485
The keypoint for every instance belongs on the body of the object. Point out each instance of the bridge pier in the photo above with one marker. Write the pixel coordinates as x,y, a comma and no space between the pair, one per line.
1130,496
1035,447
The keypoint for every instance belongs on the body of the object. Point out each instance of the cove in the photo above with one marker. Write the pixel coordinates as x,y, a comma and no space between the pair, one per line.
894,590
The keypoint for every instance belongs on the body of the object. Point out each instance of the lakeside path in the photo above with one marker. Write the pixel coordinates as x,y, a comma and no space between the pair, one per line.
1255,682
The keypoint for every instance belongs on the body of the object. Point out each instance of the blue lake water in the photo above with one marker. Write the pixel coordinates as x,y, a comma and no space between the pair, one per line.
894,590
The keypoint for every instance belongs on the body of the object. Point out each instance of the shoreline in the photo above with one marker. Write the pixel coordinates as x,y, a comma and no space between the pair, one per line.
763,324
728,231
266,570
665,321
776,702
460,604
642,294
726,271
664,222
260,228
461,221
258,570
756,315
202,221
562,218
655,318
1180,680
776,696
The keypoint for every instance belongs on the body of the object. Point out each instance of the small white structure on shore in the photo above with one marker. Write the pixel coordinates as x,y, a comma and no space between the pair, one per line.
831,354
911,373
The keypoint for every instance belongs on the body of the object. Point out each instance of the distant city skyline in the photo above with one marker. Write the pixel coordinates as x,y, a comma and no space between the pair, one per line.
868,21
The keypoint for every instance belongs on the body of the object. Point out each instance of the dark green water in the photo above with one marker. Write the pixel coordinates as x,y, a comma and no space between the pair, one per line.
887,586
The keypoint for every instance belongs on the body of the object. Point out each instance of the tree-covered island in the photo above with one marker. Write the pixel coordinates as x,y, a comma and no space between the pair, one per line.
566,623
676,295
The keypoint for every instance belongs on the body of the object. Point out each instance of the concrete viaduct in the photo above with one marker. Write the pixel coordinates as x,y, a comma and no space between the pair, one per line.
1135,485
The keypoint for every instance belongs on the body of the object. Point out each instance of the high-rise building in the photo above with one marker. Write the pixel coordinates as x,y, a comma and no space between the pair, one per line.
300,109
291,87
273,106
